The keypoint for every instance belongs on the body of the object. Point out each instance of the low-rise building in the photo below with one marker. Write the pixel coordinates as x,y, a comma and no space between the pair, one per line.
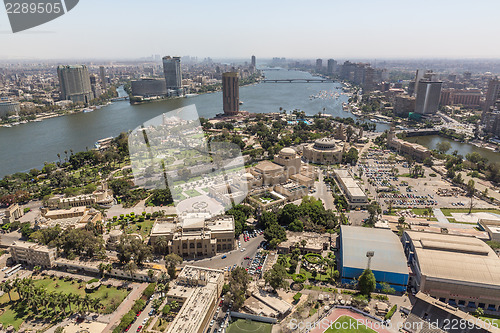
12,213
33,254
314,242
325,151
492,227
197,289
377,249
459,270
416,151
355,196
195,234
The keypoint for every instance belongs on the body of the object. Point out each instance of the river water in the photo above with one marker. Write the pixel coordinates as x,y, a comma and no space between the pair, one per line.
29,145
431,141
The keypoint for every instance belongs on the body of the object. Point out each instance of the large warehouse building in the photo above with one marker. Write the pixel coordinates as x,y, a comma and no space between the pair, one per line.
462,271
387,262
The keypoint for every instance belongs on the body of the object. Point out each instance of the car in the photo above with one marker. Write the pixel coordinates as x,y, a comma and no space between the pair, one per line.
212,323
128,327
242,250
246,258
139,328
224,257
138,313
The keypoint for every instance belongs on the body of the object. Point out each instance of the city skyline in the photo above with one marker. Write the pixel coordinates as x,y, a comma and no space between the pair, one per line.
423,30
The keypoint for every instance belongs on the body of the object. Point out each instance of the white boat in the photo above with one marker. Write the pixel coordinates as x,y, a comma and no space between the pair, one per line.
8,126
87,110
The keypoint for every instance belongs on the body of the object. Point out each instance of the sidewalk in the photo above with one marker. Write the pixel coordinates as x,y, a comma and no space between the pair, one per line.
114,318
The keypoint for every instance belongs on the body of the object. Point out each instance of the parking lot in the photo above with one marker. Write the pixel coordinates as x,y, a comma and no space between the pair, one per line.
387,180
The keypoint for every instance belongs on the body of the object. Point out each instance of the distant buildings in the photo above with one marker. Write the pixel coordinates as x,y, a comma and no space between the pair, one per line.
74,82
416,151
377,249
230,93
173,73
459,270
466,97
428,96
149,87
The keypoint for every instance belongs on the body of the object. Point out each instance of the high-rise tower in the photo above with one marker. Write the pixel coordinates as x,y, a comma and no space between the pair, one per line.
74,82
173,74
230,93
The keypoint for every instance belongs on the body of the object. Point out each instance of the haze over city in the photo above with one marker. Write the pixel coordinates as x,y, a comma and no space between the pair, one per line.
221,29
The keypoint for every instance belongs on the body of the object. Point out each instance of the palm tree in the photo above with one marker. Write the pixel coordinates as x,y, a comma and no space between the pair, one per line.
96,304
6,288
174,305
102,268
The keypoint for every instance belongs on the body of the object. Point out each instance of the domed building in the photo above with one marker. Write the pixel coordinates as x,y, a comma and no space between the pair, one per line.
290,160
324,151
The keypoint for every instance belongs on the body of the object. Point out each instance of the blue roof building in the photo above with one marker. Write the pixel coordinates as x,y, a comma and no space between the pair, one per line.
388,262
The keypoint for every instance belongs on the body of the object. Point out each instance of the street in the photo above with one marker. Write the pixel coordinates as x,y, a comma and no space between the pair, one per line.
233,257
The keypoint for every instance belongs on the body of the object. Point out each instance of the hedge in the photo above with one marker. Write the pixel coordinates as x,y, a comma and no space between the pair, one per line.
391,312
299,278
313,258
297,296
150,290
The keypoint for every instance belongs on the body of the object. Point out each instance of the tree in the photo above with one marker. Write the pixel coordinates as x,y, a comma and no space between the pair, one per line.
351,157
238,285
401,221
471,188
443,146
386,288
171,261
373,210
428,162
166,310
367,282
275,277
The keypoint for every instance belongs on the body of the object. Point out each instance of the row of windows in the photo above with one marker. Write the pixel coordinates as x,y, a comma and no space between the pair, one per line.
469,304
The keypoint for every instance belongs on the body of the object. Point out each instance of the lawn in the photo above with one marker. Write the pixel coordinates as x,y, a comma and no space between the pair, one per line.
111,297
243,325
448,211
9,316
420,211
493,321
144,230
345,321
192,193
319,277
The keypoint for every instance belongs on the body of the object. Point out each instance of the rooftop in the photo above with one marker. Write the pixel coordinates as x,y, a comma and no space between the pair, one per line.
454,257
357,241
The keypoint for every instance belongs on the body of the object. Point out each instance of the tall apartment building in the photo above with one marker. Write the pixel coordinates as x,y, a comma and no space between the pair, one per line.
173,73
428,96
331,66
254,62
230,93
102,76
74,82
492,94
319,65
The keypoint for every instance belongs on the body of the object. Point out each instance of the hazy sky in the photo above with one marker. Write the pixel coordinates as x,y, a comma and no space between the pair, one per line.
295,29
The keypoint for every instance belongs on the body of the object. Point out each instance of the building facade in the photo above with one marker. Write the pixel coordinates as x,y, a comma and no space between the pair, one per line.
324,151
428,97
9,107
173,73
462,271
418,152
149,87
74,82
230,93
33,254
